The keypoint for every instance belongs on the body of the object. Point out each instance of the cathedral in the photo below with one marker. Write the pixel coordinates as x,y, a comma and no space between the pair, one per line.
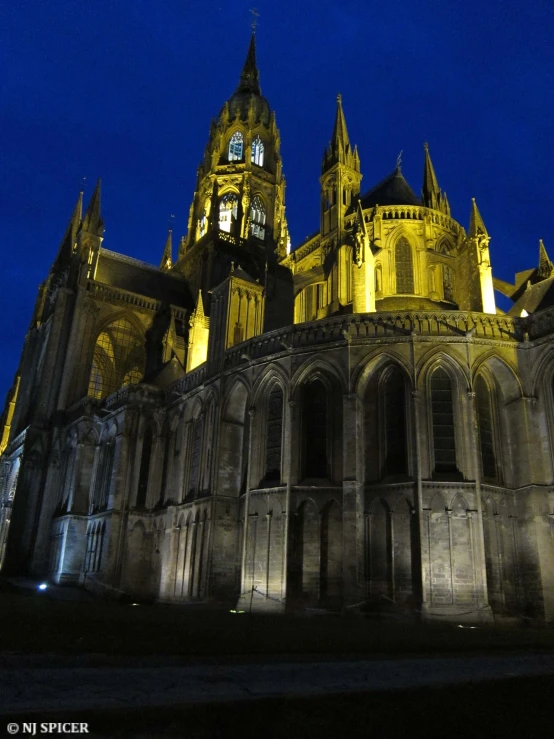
263,425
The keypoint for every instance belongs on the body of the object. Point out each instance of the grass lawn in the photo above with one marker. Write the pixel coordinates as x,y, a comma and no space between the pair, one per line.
38,624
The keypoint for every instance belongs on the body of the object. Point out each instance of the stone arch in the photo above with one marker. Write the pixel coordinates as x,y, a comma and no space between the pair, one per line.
363,372
272,374
234,440
323,366
502,373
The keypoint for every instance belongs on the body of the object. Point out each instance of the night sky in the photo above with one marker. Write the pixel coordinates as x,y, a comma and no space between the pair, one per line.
125,90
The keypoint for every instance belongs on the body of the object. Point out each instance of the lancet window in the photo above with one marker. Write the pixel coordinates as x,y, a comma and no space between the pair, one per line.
444,441
394,406
203,222
236,147
118,359
316,431
274,435
404,266
228,209
486,430
257,214
258,152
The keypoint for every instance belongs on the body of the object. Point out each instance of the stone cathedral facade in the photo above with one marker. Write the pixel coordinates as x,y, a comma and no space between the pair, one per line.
345,422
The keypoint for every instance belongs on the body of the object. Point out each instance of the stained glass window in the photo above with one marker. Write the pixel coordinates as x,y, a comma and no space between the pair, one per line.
236,144
315,420
118,359
404,266
258,152
444,441
257,213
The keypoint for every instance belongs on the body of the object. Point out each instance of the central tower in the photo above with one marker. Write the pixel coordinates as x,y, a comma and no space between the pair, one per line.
238,211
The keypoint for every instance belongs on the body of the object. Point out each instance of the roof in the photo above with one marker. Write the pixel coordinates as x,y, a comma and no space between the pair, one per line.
139,277
393,190
536,297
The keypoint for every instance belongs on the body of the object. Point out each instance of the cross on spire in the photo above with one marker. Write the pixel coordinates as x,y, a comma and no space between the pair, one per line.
255,16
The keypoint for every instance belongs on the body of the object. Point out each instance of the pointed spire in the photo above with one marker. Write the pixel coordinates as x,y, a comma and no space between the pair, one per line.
250,77
167,258
430,191
340,143
546,268
476,224
92,221
66,247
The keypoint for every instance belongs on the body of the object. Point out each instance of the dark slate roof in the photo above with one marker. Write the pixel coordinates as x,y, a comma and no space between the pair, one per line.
139,277
535,298
393,190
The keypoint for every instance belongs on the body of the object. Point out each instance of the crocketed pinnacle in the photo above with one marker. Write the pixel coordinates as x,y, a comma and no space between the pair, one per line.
250,76
167,258
431,194
92,222
546,268
476,223
340,144
66,247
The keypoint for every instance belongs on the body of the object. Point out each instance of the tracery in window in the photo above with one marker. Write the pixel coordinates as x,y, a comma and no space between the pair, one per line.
258,152
257,215
447,282
274,435
444,442
236,146
118,359
486,437
228,209
404,266
394,402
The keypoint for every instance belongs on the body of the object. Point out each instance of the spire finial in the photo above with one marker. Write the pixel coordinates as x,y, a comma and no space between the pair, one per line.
339,98
250,77
255,16
399,161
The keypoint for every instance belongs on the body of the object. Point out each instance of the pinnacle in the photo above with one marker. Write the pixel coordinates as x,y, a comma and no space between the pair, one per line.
167,257
546,268
92,221
476,224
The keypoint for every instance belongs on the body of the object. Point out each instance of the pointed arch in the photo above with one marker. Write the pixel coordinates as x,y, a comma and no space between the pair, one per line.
118,358
235,152
404,266
228,212
257,217
258,150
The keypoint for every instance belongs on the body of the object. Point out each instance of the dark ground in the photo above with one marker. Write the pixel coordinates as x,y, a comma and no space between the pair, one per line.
55,632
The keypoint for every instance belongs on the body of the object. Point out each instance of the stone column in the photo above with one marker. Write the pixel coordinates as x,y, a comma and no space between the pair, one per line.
352,502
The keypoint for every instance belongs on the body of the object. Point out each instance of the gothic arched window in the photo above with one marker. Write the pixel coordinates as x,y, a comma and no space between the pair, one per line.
228,209
258,152
257,214
394,403
236,146
203,222
118,359
315,415
486,432
195,451
444,442
447,282
274,436
404,266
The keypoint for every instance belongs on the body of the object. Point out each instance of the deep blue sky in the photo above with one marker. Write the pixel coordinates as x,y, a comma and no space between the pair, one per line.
125,90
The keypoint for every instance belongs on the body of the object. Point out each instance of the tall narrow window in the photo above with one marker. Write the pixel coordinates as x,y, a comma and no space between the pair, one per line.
447,282
118,359
196,448
144,467
315,437
443,422
378,278
236,145
203,222
258,152
228,208
274,436
404,266
486,438
394,402
257,214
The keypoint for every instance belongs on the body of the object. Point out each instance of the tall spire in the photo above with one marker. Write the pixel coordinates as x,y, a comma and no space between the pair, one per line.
92,221
167,258
476,223
546,268
250,77
430,192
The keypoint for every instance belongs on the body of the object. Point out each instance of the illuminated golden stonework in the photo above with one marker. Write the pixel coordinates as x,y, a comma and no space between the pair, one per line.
348,422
